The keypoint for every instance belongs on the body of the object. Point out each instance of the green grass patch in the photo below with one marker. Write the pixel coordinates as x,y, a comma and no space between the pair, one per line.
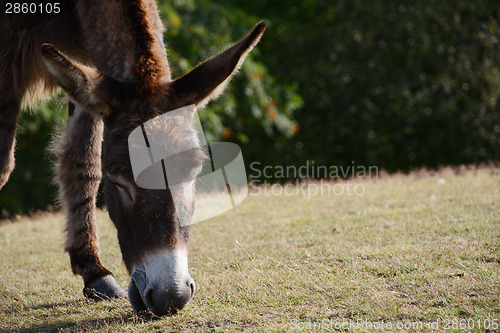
417,248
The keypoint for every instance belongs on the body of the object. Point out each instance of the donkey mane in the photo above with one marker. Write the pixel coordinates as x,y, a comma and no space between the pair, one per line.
126,43
150,67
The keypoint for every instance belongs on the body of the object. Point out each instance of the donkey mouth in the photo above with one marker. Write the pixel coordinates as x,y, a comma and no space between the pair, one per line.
136,291
160,301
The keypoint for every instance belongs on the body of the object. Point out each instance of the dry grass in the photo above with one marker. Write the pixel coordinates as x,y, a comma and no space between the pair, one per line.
412,248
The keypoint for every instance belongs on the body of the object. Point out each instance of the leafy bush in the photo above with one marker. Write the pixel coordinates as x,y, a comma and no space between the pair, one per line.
396,84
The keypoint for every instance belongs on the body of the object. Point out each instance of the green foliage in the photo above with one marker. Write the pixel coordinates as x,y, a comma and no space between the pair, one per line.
396,84
256,110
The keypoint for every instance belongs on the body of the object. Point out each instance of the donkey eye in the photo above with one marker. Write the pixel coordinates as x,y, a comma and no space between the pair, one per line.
121,188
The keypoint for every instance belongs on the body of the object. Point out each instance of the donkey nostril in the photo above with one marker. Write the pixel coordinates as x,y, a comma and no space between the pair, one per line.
192,287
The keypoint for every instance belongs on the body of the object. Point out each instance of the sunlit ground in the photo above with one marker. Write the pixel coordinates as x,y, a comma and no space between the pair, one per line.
418,248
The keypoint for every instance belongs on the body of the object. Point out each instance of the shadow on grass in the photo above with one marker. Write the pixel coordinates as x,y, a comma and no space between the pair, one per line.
67,324
80,326
77,326
16,309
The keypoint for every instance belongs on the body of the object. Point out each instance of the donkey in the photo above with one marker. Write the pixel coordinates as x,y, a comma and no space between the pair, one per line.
110,58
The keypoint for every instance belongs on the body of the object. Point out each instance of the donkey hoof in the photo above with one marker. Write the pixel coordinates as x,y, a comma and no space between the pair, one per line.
104,288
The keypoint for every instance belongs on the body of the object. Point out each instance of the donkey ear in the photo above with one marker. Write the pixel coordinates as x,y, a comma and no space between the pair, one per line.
209,79
80,82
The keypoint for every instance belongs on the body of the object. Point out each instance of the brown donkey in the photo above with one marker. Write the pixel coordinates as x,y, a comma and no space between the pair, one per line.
110,58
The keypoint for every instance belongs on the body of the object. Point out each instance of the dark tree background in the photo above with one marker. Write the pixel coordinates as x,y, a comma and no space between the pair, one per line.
396,84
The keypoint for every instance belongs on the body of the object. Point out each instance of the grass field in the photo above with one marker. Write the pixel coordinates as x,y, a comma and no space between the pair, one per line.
422,249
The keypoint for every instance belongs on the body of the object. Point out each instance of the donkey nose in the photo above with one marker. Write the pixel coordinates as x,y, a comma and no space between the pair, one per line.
168,300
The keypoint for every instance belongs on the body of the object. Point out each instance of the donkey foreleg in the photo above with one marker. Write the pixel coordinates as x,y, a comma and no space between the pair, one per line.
79,175
9,112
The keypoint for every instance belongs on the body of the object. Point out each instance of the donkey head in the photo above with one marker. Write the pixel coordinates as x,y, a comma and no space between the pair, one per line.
152,232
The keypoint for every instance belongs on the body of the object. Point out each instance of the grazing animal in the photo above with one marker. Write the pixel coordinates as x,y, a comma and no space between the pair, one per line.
109,57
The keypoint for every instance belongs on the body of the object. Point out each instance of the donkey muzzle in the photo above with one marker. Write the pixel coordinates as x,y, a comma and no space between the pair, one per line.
162,285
